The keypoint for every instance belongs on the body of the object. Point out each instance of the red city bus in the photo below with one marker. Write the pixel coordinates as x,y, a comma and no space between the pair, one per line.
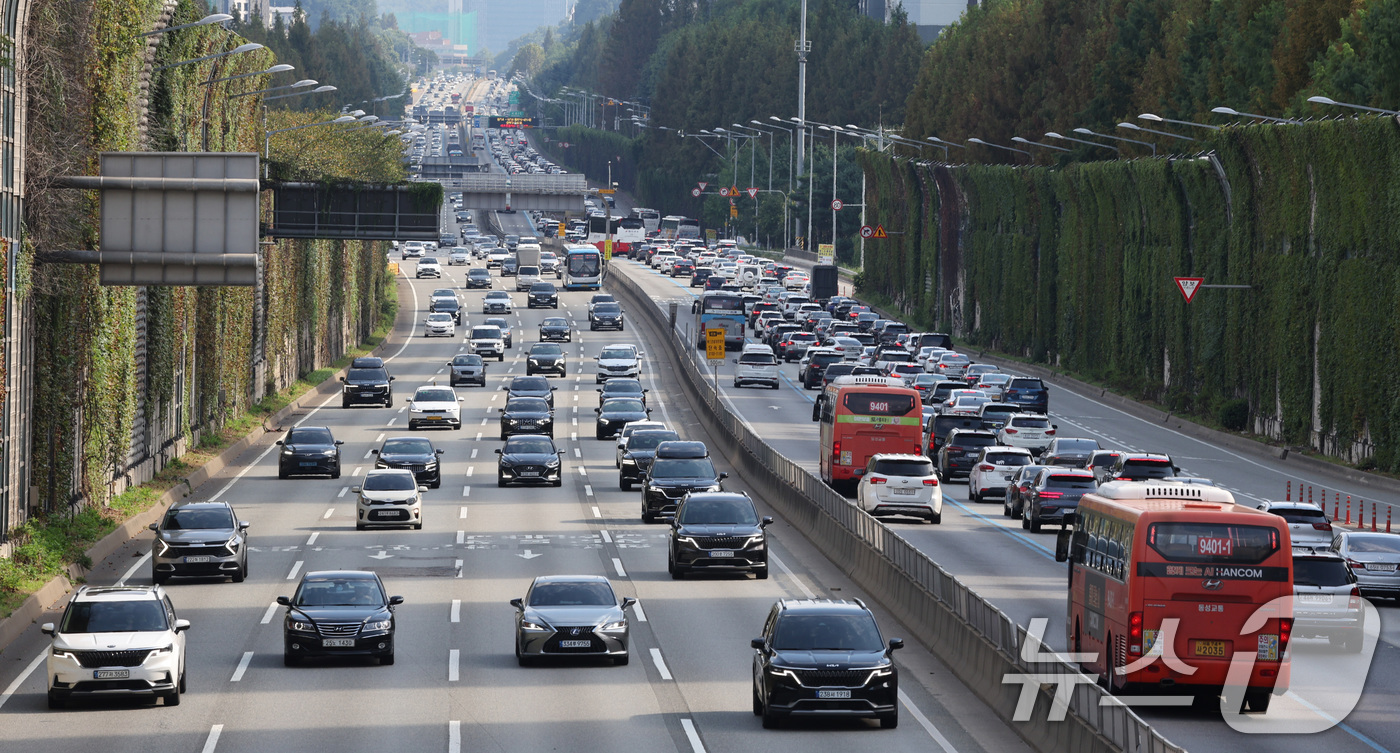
864,416
1142,554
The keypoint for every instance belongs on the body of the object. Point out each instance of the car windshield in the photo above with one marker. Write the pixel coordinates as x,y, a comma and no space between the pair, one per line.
146,615
903,467
527,405
309,435
648,440
486,333
601,298
406,446
439,317
683,468
466,360
366,375
827,632
625,354
435,395
622,387
586,594
498,323
389,482
339,592
1374,544
719,512
479,273
197,518
529,384
498,294
444,293
529,445
554,321
545,350
607,308
623,406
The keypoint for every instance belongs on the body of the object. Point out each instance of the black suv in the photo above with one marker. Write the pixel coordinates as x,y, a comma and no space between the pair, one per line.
824,656
543,295
813,372
545,358
679,469
943,425
1028,392
719,531
960,450
415,454
367,385
1138,466
641,451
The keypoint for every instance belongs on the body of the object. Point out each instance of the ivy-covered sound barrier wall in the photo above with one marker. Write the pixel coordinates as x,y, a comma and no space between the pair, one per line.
1073,267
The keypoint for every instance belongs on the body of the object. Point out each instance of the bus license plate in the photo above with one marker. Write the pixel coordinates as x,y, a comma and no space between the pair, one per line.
111,674
834,694
575,644
337,643
721,553
1211,648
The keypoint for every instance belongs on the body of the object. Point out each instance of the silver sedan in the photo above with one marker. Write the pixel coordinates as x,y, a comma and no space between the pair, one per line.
571,615
1375,560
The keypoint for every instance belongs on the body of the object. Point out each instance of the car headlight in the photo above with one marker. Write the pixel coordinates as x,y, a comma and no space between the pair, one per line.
611,627
414,409
552,464
232,544
161,547
301,626
782,672
288,451
513,421
328,453
688,540
538,626
63,653
378,625
534,362
380,464
627,460
603,419
757,539
167,649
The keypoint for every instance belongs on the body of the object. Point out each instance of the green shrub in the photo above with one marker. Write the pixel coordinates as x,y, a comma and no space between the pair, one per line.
1234,414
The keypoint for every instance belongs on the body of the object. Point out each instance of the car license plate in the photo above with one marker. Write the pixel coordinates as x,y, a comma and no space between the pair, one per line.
1316,599
1210,648
529,473
111,674
337,642
575,644
308,463
198,559
721,553
905,492
834,694
386,513
1380,567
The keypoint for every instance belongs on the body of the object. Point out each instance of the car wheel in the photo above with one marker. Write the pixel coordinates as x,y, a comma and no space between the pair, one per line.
240,575
1025,521
281,472
890,721
757,702
500,481
522,659
935,518
598,434
458,427
159,579
624,484
386,659
336,472
1006,507
500,357
56,701
647,517
183,686
418,526
972,495
345,403
173,698
770,719
761,573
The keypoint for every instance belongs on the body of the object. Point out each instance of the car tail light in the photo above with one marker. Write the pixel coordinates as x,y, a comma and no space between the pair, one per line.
1049,432
878,479
1354,601
1356,565
1009,431
1050,495
930,482
1285,631
986,467
1323,526
1135,633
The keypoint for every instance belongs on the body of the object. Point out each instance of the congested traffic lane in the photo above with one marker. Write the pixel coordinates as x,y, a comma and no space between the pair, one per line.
455,681
1015,569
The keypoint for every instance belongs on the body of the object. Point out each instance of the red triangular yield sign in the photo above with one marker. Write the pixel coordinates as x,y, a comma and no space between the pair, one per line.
752,191
1189,286
703,184
880,232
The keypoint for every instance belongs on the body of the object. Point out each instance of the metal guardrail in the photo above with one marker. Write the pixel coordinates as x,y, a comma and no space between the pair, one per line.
908,581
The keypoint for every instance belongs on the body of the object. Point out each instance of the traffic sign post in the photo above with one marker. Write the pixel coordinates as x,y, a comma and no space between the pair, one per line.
880,232
836,205
826,253
695,192
723,191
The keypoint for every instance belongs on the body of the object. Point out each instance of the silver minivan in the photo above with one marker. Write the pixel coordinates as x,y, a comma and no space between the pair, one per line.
756,365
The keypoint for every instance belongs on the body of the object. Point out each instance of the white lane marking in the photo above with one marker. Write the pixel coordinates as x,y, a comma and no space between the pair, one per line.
401,410
456,610
454,660
607,537
357,470
331,510
212,741
242,666
573,436
343,490
582,471
295,569
577,453
458,565
470,468
694,737
596,512
463,514
132,571
926,724
617,565
245,470
379,439
454,737
268,615
483,421
787,571
368,453
461,537
391,421
660,664
588,490
312,538
466,491
637,610
29,670
478,436
309,414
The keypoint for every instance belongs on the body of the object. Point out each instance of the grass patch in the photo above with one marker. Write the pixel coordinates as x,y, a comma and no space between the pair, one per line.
44,546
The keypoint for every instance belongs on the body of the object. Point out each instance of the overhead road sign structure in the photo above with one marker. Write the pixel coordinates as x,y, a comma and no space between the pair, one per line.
498,122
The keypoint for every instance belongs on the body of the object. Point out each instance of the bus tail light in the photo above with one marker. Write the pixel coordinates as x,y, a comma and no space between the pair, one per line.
835,452
1135,633
1285,631
878,479
930,482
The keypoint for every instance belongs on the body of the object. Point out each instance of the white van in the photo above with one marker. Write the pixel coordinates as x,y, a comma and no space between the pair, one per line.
756,365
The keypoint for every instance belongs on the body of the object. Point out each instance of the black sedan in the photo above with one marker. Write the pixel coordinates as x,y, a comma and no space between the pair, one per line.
339,613
526,415
447,306
478,277
542,295
529,459
530,386
556,329
622,388
605,316
412,454
309,450
467,369
545,358
509,266
615,413
1054,492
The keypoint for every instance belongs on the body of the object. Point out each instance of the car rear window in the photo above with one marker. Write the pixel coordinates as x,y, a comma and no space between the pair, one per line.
757,359
975,440
1008,458
1319,572
1030,423
902,467
1374,543
1295,515
824,359
1150,468
1023,383
1213,543
1068,481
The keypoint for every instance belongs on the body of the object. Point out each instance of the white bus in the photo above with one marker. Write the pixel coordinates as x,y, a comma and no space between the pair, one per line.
651,219
583,267
626,233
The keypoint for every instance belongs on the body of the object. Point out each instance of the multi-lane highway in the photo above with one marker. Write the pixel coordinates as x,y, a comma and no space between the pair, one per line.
455,685
1015,569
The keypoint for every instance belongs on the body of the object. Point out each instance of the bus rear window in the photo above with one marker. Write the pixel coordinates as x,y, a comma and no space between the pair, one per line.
877,404
1213,543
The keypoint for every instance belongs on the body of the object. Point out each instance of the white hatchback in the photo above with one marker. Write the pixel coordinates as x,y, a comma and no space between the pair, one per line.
1031,431
905,485
993,471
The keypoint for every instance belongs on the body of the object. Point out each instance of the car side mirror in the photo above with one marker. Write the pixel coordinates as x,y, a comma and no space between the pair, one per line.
47,628
422,488
1056,426
896,644
723,475
339,442
392,378
439,452
758,643
395,601
645,391
599,391
648,411
279,442
498,450
154,526
551,389
628,601
182,625
244,525
560,452
284,601
597,410
517,603
766,521
461,399
342,379
355,489
734,360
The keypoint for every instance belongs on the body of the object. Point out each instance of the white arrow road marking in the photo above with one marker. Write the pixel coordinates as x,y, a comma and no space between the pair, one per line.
528,555
381,555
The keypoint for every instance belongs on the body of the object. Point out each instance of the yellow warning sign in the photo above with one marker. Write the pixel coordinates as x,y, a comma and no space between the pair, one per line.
733,190
733,211
714,344
880,232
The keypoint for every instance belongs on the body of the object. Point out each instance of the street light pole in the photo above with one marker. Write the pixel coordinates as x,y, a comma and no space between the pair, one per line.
802,49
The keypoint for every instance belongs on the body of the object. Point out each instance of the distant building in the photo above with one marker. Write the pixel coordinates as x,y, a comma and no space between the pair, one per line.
928,16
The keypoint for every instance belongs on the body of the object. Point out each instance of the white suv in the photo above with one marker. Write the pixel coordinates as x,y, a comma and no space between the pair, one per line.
117,640
993,471
434,405
756,365
619,360
901,485
1031,431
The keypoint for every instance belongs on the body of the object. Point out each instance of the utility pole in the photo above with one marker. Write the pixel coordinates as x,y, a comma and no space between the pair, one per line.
803,47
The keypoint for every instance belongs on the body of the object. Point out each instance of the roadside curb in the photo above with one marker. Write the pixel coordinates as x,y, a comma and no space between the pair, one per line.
58,588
